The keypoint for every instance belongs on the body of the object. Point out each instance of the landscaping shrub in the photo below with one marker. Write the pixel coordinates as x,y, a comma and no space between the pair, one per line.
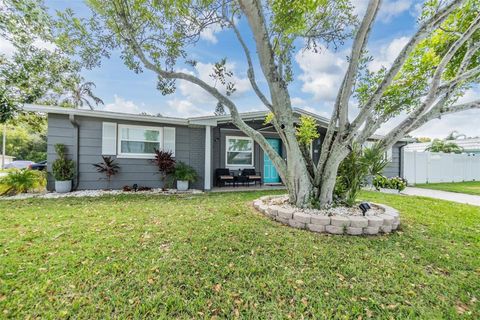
397,183
356,170
184,172
166,165
21,181
63,169
108,167
351,177
375,160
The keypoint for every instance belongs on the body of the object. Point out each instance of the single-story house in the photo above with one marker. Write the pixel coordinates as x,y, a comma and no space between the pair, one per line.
205,143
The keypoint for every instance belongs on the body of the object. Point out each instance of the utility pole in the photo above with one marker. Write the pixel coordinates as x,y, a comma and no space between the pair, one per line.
4,142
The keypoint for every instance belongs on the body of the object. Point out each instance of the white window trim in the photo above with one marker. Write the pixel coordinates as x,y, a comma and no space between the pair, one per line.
137,155
239,165
104,139
389,154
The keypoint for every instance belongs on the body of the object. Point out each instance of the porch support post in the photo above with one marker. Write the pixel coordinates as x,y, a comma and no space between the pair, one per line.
208,159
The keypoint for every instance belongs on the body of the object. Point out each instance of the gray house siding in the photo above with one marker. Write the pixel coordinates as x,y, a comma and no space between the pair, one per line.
393,169
220,133
189,148
219,153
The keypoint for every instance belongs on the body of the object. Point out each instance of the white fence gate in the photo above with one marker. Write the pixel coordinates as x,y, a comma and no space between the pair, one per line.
433,167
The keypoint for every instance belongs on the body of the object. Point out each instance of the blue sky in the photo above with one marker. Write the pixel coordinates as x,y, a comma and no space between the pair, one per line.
317,75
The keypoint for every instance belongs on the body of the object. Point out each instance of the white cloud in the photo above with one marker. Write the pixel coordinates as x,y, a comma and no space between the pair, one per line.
7,48
184,108
122,105
209,33
322,72
386,54
391,9
298,102
198,96
388,10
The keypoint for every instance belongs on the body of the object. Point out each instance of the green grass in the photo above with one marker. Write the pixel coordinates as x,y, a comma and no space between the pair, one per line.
214,256
468,187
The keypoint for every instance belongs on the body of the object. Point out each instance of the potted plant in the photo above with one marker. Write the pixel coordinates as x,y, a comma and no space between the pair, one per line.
63,170
108,167
166,165
184,174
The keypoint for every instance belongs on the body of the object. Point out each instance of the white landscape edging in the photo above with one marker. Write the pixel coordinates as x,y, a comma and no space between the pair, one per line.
352,225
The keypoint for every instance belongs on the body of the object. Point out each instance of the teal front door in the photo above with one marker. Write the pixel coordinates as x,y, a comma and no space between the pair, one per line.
270,174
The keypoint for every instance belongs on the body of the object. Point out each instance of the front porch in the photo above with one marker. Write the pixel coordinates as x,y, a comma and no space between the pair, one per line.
249,188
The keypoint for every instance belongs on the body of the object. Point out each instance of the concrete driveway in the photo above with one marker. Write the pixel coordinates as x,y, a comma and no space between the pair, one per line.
443,195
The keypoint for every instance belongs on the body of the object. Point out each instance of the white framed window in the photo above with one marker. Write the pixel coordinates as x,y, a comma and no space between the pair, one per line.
389,154
238,151
109,138
139,141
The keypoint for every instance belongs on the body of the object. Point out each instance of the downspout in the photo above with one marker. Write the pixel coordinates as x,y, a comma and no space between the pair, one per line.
401,159
76,144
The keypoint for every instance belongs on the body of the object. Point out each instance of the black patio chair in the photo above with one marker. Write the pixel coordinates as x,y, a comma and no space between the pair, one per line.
252,176
223,176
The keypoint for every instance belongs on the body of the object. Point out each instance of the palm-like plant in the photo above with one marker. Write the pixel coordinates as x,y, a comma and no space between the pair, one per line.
108,167
82,95
166,164
444,146
455,135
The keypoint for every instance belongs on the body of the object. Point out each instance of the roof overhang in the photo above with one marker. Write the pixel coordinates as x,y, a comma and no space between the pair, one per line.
104,114
260,115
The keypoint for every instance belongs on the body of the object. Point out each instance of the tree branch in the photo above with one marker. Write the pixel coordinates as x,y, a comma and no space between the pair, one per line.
421,33
439,111
404,126
236,118
250,72
359,45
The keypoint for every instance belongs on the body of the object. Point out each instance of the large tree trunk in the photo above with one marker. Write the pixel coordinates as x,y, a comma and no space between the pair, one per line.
329,175
299,182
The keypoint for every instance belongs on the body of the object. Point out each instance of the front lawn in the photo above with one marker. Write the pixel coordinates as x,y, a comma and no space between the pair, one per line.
469,187
212,255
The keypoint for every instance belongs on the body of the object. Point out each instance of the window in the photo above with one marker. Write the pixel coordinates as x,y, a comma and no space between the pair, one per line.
389,154
239,151
138,141
109,138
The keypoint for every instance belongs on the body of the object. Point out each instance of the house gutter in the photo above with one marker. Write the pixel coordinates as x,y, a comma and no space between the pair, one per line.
76,144
401,158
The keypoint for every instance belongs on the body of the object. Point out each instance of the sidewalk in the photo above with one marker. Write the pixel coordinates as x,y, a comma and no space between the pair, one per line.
443,195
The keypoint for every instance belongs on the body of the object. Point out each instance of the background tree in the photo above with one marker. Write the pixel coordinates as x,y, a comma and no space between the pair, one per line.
454,135
445,146
81,95
37,71
435,67
27,138
424,139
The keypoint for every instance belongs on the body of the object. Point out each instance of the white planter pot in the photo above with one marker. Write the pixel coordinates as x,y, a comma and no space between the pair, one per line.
393,191
63,186
182,185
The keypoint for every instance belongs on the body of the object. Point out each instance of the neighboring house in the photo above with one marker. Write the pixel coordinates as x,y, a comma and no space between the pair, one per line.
205,143
469,145
7,160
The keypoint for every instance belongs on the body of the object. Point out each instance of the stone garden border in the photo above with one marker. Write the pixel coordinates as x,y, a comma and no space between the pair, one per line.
352,225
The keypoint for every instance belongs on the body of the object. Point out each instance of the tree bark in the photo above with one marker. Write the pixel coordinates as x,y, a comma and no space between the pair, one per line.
329,175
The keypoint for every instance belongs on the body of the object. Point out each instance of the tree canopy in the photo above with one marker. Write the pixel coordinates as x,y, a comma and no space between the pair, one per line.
37,71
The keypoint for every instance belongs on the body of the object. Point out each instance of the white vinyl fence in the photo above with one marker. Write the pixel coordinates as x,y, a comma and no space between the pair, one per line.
433,167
